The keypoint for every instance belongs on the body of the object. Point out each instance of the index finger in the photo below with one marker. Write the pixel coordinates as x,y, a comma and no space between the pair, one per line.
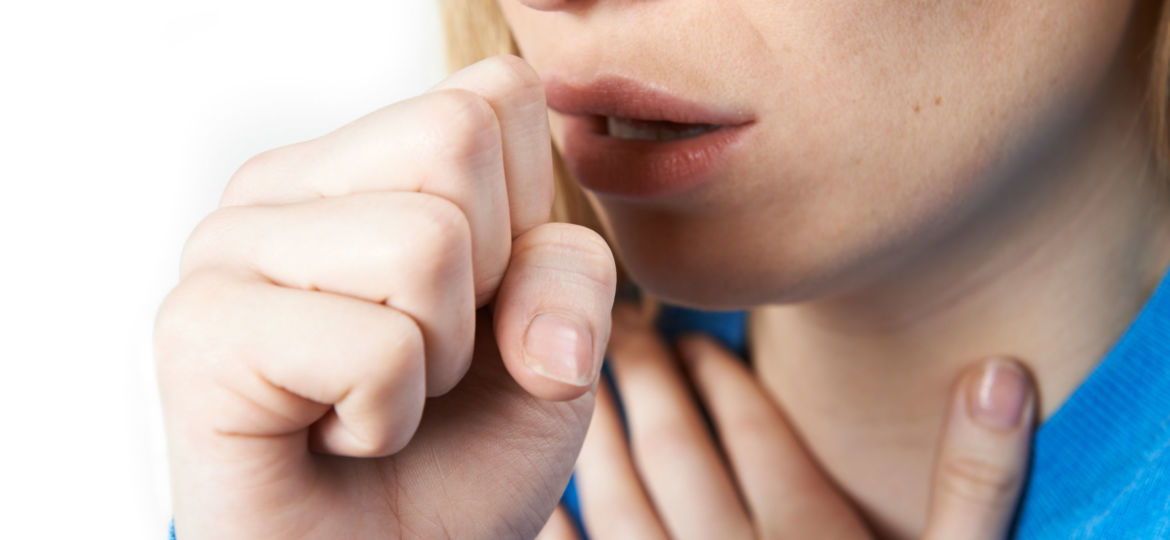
444,143
983,457
516,93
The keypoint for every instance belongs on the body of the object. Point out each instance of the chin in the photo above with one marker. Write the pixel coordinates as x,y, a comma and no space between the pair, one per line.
711,273
695,288
732,256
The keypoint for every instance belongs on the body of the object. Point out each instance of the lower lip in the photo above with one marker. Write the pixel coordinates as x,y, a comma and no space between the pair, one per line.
638,168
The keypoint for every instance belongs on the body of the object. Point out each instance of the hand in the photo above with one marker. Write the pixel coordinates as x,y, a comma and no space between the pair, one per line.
670,480
335,296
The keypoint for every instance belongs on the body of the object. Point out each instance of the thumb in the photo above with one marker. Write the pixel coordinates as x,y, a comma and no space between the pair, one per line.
983,458
512,453
488,460
552,311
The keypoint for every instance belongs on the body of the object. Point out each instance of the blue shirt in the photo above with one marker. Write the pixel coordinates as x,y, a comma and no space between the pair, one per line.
1100,463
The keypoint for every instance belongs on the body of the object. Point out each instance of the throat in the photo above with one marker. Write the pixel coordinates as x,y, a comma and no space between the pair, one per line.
865,378
873,437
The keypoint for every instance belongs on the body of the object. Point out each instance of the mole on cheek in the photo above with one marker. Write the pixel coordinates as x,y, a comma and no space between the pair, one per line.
937,102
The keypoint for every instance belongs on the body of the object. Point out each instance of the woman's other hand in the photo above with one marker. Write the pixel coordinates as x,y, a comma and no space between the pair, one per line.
336,295
753,479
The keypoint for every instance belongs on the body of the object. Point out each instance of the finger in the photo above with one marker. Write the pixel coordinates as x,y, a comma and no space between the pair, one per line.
983,456
784,489
552,314
613,503
445,143
410,251
679,465
559,527
237,377
516,93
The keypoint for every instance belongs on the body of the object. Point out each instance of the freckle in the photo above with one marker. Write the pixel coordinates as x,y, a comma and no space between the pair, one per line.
917,107
938,100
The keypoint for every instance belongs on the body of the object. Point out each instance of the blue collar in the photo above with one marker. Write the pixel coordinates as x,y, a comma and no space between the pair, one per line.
1106,431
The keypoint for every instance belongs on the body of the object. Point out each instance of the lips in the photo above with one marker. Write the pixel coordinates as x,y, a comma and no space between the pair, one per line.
624,137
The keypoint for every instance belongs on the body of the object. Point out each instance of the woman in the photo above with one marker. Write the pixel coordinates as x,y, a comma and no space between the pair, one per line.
892,190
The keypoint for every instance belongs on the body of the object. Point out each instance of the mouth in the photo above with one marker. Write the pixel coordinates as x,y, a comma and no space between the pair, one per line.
627,138
631,129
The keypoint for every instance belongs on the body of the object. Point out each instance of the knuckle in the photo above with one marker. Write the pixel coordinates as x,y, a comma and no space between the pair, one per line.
517,74
442,224
208,238
573,248
170,328
587,239
396,363
374,439
977,480
466,126
404,345
181,323
251,174
442,239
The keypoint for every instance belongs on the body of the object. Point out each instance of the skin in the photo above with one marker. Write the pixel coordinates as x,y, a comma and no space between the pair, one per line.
663,474
326,304
345,354
916,169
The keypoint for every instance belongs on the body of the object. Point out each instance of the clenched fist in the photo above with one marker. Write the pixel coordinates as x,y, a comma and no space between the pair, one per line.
379,332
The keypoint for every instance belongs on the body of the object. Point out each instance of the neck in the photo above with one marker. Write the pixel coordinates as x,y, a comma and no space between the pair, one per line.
1052,277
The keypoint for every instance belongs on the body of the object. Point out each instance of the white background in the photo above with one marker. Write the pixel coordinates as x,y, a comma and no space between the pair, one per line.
120,122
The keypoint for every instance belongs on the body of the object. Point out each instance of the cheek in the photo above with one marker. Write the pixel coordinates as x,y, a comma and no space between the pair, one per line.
920,98
876,136
909,128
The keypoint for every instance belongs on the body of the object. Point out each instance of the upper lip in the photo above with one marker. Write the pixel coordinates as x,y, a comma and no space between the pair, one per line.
623,97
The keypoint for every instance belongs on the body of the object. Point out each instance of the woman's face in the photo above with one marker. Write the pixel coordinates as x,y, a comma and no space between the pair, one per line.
872,127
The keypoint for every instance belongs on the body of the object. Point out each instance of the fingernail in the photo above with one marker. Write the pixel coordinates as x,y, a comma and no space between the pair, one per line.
996,399
560,348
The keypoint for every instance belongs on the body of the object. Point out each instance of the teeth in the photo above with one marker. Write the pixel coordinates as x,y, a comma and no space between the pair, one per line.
643,130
